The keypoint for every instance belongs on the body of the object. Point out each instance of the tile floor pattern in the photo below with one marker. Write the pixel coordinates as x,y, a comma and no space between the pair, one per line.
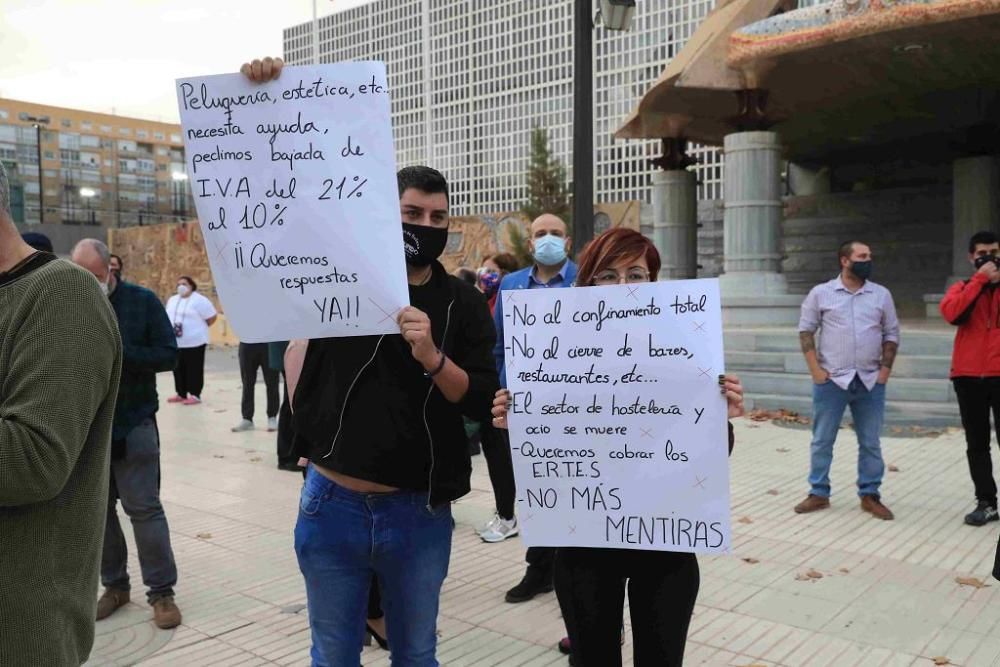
888,594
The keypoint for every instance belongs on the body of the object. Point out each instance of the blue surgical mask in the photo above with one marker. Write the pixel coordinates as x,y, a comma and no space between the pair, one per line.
550,250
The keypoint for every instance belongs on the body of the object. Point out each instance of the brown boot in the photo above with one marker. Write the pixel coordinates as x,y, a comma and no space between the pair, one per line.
873,505
166,615
112,600
812,504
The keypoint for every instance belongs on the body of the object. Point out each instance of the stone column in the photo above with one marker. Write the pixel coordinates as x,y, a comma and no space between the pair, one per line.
675,223
753,288
975,206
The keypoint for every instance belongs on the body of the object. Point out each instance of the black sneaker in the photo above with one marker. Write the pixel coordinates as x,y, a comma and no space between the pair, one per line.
531,585
983,514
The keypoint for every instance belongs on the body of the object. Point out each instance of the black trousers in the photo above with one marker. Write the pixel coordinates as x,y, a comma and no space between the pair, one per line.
286,435
189,374
496,451
253,356
977,397
662,589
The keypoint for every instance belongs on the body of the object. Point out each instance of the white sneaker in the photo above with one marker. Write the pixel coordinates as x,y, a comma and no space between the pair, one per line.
272,423
499,529
244,425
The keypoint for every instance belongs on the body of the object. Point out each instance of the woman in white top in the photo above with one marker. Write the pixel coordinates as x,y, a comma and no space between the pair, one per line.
192,315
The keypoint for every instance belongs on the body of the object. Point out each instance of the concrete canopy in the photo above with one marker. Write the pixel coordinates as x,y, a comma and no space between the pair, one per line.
925,82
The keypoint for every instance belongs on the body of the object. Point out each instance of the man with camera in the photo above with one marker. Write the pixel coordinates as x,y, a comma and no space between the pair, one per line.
974,307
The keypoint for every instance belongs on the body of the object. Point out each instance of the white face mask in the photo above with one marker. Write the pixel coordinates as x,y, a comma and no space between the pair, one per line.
183,290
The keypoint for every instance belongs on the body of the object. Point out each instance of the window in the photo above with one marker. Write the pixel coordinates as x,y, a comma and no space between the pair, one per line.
106,129
66,122
126,131
3,114
176,138
158,136
86,125
142,134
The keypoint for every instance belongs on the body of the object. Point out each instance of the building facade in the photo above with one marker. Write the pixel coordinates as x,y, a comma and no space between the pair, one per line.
96,169
469,80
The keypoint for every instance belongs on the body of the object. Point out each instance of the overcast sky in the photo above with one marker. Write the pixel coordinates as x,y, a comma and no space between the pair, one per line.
123,55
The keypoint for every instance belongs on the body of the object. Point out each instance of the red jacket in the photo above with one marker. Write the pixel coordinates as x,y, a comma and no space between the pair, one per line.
975,310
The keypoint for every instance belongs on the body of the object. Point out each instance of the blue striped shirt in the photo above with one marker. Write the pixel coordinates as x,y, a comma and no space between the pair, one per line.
853,326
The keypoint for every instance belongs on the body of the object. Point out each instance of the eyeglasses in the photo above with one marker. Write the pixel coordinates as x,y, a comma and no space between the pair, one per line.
610,277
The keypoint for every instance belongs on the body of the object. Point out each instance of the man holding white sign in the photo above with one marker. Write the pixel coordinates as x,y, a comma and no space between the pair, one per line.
380,420
619,442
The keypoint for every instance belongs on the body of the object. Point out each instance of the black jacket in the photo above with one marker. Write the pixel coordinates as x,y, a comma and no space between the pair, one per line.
364,408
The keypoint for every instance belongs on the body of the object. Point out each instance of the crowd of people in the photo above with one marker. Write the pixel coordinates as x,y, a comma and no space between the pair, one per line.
380,427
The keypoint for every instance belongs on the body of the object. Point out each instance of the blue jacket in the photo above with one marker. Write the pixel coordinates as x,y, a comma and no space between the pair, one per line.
519,280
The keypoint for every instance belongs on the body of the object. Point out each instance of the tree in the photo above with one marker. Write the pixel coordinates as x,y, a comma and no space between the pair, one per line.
547,188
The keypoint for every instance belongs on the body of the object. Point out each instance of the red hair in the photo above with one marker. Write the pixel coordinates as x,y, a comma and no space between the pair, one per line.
615,245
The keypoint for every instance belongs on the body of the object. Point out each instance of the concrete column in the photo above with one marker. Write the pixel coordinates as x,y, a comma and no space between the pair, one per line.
752,219
754,291
675,223
975,206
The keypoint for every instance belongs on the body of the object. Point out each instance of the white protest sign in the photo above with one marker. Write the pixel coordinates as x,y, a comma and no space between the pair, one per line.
295,185
618,424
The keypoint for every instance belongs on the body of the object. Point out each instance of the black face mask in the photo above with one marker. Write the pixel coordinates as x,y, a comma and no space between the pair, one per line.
862,270
981,261
423,244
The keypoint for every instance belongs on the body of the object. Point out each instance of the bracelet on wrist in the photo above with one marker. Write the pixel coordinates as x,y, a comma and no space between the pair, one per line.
438,368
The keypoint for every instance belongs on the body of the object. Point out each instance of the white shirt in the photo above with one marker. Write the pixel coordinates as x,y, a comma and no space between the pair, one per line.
191,313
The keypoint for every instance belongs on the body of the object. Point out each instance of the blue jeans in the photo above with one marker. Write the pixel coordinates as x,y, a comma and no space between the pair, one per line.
135,480
341,539
868,410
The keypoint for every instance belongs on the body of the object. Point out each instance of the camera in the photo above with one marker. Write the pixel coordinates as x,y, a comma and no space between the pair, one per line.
981,261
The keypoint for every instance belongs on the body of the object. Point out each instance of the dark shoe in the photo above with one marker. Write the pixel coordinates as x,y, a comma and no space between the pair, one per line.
110,602
873,505
166,615
812,503
983,514
382,642
531,585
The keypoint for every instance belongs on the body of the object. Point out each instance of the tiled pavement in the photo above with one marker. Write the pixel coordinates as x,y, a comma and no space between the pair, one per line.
888,593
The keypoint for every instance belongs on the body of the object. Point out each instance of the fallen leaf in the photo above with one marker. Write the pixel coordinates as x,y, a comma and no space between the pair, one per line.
941,660
813,574
778,416
218,456
783,450
802,577
757,664
773,492
218,411
971,581
896,429
204,536
745,519
256,459
844,570
893,469
751,561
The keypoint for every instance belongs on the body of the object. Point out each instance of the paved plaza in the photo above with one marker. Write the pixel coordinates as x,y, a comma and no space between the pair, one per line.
834,588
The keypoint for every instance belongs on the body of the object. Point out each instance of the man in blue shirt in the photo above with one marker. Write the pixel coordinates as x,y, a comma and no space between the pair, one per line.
549,244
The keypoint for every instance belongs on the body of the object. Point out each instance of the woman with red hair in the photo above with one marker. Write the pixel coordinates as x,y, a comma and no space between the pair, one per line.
591,582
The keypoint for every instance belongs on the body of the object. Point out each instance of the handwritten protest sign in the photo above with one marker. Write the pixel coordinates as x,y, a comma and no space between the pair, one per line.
295,186
617,425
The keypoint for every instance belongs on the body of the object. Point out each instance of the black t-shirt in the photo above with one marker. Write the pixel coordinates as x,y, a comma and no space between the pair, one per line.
26,266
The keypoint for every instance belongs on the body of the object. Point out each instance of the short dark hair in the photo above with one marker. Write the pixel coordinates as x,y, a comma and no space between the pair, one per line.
984,237
505,261
190,280
466,274
422,178
847,248
121,262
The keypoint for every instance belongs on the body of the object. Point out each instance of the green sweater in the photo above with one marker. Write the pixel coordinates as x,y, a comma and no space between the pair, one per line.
60,361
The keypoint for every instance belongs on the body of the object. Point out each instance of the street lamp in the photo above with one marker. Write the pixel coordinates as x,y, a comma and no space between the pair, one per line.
616,15
37,122
88,194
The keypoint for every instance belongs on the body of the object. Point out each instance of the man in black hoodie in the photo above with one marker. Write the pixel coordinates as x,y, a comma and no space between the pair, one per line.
380,419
